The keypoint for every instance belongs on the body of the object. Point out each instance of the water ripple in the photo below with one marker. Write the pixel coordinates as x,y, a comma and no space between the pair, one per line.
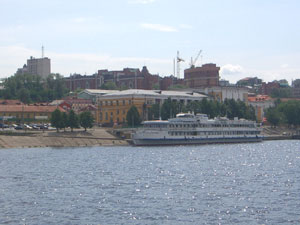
209,184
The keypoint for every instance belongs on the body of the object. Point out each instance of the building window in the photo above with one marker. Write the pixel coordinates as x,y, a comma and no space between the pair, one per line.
106,116
129,102
118,112
123,102
117,102
111,102
123,112
101,116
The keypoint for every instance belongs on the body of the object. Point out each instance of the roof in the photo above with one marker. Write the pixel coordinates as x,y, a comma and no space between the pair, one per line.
10,102
157,93
56,102
99,91
259,98
28,108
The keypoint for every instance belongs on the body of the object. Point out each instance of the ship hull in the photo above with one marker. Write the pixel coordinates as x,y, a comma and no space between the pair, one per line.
194,141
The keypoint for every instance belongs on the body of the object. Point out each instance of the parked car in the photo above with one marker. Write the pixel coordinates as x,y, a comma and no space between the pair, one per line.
3,125
19,127
27,127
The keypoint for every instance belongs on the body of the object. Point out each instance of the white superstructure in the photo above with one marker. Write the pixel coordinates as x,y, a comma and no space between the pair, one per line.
196,129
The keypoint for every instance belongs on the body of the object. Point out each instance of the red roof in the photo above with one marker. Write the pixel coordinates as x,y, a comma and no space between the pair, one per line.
10,102
28,108
259,98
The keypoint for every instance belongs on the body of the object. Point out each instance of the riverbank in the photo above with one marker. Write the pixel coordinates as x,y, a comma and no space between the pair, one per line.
78,138
99,137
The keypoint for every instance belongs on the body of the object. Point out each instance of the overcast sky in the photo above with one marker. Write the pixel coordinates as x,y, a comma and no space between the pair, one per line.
244,37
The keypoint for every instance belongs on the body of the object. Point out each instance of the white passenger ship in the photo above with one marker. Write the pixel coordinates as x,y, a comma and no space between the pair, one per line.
196,129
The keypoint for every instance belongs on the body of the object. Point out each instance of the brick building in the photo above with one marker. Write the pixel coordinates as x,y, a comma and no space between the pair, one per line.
128,78
266,88
205,76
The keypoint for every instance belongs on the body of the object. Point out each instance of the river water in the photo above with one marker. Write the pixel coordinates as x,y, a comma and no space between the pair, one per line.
207,184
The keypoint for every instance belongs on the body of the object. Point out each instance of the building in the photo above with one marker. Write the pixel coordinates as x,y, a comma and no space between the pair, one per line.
249,81
266,88
41,66
127,78
77,81
23,70
76,104
260,103
205,76
113,107
94,94
224,83
220,93
26,113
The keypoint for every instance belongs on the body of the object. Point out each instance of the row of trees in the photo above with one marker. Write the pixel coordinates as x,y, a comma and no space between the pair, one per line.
284,112
229,108
31,88
63,120
169,109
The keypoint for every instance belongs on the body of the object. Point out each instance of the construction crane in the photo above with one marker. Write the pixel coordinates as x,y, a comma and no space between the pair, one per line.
178,64
193,62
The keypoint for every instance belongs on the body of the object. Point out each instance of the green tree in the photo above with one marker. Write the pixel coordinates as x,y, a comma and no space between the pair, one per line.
86,120
56,119
109,86
169,109
133,117
281,92
153,112
65,120
155,86
273,116
177,86
73,120
36,88
291,112
24,96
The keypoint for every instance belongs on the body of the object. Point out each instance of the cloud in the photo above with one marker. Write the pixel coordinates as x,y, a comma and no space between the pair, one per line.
230,69
158,27
141,1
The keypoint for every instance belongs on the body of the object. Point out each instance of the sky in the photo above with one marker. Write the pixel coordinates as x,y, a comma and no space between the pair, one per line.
244,37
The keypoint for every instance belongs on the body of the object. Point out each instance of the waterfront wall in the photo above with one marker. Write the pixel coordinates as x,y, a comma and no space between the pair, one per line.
62,139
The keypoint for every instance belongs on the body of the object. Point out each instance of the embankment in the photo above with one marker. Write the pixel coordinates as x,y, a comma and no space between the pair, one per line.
78,138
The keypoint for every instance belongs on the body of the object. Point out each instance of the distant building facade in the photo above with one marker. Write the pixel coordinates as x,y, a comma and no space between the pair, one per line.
220,93
113,107
128,78
36,66
249,81
260,104
39,66
27,113
205,76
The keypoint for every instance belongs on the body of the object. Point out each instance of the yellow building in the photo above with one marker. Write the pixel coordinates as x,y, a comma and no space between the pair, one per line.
113,107
26,113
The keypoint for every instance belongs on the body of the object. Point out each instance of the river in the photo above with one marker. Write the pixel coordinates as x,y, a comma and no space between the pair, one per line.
256,183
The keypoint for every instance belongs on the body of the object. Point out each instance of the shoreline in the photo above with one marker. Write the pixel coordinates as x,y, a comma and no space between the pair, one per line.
78,138
90,138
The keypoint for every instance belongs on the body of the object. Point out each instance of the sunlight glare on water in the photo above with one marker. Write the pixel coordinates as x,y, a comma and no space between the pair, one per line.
206,184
